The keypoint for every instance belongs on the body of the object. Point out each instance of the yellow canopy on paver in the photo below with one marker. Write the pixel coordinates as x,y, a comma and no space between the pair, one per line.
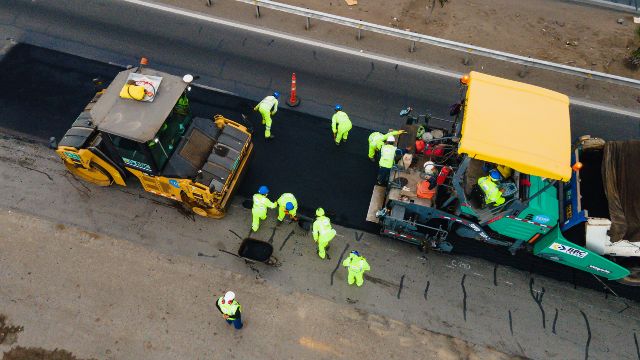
518,125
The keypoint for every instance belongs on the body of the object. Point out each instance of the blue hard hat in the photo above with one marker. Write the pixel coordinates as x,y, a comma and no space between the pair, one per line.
288,206
263,190
276,94
495,174
355,252
338,107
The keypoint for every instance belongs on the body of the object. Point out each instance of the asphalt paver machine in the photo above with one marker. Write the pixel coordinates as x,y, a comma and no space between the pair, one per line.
142,127
524,130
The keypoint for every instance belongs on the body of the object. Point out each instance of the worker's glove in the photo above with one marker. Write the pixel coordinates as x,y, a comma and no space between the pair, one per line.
255,108
402,132
273,113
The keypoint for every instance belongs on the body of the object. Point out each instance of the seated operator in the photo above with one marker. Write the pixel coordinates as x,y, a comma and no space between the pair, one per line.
492,193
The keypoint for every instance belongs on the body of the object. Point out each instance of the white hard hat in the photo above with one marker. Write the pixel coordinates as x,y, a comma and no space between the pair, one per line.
427,136
230,295
391,139
187,78
429,167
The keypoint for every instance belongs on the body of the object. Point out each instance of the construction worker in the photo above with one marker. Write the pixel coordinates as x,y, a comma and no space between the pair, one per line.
287,205
260,205
323,233
340,125
356,265
387,159
231,310
492,193
267,108
377,140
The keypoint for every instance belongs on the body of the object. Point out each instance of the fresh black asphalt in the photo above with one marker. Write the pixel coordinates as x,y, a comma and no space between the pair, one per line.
42,91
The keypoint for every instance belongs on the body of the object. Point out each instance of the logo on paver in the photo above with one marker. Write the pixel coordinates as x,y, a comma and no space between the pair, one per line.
599,269
542,219
568,250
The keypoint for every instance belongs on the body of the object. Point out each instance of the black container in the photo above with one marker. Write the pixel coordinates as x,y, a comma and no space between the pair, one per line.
255,250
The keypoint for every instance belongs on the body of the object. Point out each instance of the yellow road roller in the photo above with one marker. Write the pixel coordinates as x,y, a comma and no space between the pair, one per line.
142,126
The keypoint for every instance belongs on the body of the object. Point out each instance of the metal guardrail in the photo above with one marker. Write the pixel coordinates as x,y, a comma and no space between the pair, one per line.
453,45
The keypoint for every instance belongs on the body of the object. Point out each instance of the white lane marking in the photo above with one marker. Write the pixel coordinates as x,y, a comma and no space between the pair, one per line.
359,53
606,108
276,34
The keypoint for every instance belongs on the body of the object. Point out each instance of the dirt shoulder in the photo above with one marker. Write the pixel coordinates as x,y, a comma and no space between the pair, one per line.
565,33
99,297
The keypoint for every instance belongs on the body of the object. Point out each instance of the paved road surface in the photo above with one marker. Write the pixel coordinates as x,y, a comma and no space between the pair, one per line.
251,64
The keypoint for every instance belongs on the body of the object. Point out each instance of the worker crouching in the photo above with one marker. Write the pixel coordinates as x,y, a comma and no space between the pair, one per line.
267,108
287,205
323,233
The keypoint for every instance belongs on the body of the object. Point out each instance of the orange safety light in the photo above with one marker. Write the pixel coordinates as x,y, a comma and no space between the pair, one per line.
464,79
577,166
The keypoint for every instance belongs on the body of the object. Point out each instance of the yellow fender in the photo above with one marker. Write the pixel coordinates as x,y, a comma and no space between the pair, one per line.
89,167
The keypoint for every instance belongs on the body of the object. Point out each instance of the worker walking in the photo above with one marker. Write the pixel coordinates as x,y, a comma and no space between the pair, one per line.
492,193
287,205
231,310
356,265
387,159
267,108
377,140
260,205
340,125
323,233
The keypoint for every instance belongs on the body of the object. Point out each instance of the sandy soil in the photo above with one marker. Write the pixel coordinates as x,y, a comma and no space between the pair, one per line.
152,306
565,33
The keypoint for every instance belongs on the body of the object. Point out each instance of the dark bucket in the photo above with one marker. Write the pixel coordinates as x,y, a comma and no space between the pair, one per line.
255,250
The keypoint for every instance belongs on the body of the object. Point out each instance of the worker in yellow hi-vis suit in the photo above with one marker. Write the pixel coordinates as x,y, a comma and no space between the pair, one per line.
492,193
356,265
267,108
323,233
340,125
377,140
287,205
260,205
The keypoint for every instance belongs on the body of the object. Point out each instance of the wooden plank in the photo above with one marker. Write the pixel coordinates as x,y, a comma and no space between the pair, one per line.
351,2
377,202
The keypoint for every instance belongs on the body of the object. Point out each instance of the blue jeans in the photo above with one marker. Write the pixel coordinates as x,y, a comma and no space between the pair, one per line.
237,322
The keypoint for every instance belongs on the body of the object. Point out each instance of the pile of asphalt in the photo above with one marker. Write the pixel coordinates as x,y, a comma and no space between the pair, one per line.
43,91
